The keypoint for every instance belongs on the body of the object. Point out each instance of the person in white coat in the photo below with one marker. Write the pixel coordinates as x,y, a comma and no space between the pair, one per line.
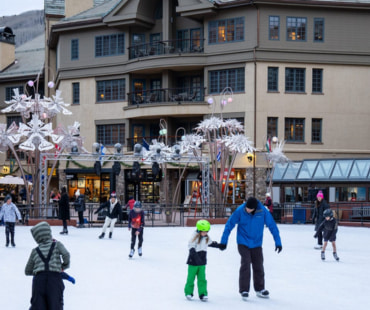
10,213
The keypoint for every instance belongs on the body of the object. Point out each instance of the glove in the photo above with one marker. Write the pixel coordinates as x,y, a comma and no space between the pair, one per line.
222,246
71,279
214,244
278,248
315,235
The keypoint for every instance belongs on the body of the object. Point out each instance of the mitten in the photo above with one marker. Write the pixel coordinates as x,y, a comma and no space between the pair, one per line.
71,279
278,248
222,246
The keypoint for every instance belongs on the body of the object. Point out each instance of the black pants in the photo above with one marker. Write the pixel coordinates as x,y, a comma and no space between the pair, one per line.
81,217
319,238
9,230
64,224
133,238
47,291
255,257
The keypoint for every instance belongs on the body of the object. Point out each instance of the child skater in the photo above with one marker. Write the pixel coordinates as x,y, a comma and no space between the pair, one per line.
46,263
330,228
197,260
10,213
136,221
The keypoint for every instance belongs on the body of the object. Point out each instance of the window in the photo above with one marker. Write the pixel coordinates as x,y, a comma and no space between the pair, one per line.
220,79
294,129
10,119
317,80
111,90
296,28
110,45
273,79
316,130
295,80
111,134
74,49
274,27
75,93
228,30
272,127
9,92
318,30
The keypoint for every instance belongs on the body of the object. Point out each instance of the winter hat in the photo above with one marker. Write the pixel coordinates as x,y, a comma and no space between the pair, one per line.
77,192
113,195
320,195
7,197
252,203
268,195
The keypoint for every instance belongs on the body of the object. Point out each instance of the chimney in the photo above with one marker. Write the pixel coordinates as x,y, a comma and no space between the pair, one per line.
7,47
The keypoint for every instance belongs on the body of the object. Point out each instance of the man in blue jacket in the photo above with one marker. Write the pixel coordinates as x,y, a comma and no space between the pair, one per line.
251,218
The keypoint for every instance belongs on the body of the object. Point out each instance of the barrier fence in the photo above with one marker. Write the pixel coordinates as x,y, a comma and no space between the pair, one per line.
177,215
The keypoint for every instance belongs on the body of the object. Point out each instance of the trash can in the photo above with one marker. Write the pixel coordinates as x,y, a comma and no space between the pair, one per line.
299,215
276,212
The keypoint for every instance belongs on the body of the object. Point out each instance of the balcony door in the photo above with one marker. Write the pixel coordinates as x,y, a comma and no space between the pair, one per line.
138,90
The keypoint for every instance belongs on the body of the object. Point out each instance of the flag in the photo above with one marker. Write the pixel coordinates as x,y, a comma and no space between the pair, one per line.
219,156
145,144
268,145
102,152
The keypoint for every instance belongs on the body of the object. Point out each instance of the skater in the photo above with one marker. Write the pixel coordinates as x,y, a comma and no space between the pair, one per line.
130,204
46,263
80,207
330,227
197,260
64,213
268,202
136,221
318,217
9,213
114,212
251,218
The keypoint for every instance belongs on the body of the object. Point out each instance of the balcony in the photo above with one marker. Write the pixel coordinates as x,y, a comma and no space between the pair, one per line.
171,95
166,48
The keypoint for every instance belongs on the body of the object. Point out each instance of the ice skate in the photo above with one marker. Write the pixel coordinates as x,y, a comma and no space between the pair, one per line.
322,255
245,296
336,256
318,247
102,236
189,297
131,253
110,235
140,251
263,294
203,298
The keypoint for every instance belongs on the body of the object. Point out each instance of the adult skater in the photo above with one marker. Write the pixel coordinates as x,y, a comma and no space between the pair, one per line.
318,217
251,218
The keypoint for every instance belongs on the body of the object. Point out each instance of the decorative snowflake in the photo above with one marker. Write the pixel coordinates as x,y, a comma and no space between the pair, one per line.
8,136
57,105
69,136
19,103
238,143
277,154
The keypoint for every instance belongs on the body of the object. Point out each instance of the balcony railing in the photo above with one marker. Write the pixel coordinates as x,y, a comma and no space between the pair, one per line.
166,47
176,95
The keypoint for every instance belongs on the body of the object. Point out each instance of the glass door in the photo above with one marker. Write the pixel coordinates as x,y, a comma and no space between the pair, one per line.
139,88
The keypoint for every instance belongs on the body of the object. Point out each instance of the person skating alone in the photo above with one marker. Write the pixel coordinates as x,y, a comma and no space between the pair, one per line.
64,213
136,223
9,213
251,218
318,216
114,213
330,228
197,260
47,263
80,207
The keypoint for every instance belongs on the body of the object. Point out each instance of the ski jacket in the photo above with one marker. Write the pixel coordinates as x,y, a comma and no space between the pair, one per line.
269,205
130,204
79,204
318,213
136,220
251,226
60,258
198,250
330,228
10,212
64,213
113,210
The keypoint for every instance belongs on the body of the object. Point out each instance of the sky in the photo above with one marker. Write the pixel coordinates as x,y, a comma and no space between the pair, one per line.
107,279
16,7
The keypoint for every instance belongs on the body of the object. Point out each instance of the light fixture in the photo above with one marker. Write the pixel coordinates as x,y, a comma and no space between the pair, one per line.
176,152
138,149
96,148
250,157
118,149
74,148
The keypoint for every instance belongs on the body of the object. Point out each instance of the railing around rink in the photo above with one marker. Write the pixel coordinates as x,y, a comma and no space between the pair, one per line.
354,213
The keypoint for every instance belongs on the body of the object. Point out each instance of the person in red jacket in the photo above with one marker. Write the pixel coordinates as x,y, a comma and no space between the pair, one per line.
130,203
136,222
268,202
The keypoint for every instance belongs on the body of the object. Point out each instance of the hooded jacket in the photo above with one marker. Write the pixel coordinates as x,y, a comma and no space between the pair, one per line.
10,212
251,226
59,260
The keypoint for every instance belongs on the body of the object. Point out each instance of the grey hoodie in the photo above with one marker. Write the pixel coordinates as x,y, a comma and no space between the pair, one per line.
59,260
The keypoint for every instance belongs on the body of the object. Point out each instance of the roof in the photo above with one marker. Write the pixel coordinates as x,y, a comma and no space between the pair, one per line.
29,59
54,7
323,170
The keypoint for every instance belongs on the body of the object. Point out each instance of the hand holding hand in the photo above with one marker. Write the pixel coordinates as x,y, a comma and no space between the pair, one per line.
278,248
222,246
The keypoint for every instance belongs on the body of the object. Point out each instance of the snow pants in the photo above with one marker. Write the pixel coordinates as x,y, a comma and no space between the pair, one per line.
133,238
108,221
200,273
250,257
47,291
9,230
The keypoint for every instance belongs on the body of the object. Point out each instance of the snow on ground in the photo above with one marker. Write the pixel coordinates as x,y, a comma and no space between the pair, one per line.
107,279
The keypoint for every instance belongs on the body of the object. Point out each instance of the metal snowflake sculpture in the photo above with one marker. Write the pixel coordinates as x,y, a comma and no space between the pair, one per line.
277,154
19,103
9,136
57,105
238,143
70,137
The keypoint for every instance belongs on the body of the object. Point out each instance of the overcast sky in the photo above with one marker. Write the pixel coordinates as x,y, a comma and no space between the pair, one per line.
16,7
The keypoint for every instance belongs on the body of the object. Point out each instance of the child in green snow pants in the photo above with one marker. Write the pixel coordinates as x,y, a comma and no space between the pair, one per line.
200,273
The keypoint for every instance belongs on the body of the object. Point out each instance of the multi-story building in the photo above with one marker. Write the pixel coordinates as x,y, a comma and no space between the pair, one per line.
298,70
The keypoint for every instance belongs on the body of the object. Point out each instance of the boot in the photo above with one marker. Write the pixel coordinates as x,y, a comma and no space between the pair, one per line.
64,232
102,236
110,235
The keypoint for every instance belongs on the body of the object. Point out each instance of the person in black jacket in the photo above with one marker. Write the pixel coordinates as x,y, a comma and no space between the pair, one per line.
136,221
317,216
330,227
80,207
114,212
64,213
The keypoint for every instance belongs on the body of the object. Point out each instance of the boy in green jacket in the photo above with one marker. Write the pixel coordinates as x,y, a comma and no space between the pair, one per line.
46,263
